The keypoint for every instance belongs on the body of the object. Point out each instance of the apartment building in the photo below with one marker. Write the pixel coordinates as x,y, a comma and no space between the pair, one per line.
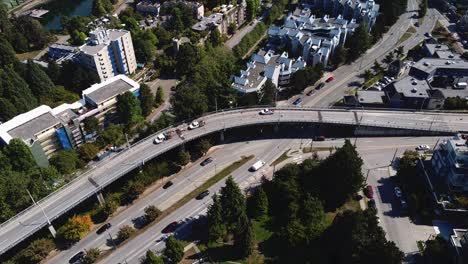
450,163
197,8
226,15
109,52
47,130
363,11
148,7
314,39
263,66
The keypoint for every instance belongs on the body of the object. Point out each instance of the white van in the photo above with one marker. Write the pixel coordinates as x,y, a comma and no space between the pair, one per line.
257,165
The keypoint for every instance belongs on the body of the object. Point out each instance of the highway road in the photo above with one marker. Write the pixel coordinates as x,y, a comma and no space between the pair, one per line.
184,182
32,219
347,74
374,151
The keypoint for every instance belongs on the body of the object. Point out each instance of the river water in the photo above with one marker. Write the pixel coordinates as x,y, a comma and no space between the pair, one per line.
59,8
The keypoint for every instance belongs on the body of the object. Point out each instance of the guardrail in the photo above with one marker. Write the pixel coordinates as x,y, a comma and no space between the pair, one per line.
169,147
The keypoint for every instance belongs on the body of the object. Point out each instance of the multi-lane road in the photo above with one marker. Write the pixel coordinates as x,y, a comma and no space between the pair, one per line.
376,152
66,198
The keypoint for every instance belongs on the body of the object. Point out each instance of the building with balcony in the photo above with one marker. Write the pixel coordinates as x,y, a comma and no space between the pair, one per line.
148,7
225,16
450,162
109,52
314,39
263,66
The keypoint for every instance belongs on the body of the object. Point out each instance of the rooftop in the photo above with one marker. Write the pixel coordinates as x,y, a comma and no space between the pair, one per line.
371,97
431,64
101,39
104,91
412,87
206,22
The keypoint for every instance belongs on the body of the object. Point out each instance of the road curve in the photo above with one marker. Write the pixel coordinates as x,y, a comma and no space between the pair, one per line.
31,220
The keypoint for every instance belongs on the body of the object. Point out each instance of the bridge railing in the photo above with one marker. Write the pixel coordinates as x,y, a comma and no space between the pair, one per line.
211,114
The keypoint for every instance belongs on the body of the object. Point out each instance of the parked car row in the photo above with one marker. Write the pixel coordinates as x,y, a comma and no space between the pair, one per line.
382,83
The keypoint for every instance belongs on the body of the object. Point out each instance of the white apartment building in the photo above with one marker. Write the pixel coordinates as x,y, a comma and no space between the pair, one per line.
109,52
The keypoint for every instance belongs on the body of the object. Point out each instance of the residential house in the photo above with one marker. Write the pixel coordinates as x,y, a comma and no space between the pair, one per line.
226,15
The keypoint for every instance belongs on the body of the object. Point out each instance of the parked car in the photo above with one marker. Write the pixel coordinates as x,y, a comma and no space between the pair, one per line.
320,86
298,101
423,147
311,92
398,192
371,204
159,138
77,257
369,191
203,195
266,111
103,228
167,185
206,161
170,228
330,79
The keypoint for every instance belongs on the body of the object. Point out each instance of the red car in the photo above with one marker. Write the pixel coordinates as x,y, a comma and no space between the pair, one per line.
330,79
369,191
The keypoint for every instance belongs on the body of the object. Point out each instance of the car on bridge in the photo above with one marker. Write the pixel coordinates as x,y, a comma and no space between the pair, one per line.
266,111
159,138
196,124
423,147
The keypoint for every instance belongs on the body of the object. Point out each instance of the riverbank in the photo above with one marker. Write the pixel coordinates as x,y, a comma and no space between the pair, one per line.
28,5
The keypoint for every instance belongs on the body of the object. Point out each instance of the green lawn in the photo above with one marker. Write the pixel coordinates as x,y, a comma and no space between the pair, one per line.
405,37
281,158
352,205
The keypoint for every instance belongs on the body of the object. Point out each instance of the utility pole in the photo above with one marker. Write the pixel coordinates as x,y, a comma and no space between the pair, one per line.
128,143
216,104
51,228
367,176
394,155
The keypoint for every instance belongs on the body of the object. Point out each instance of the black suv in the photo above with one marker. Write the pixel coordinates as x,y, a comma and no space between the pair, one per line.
103,228
207,161
167,185
203,195
320,86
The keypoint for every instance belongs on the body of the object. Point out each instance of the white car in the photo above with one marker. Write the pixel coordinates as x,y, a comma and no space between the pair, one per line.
159,138
423,147
398,192
194,125
266,111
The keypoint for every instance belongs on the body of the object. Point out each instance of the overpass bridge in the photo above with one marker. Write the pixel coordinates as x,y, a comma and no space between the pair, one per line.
94,180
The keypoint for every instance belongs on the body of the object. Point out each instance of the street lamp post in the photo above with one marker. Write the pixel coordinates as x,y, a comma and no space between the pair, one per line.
51,228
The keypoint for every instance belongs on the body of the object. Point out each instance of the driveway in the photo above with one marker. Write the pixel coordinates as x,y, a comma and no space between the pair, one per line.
166,85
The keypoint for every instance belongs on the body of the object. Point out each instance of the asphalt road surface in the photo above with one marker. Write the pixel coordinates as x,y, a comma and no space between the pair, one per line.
374,151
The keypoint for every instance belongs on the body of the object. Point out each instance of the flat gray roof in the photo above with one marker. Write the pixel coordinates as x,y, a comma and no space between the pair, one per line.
92,49
431,64
370,97
108,91
27,130
412,87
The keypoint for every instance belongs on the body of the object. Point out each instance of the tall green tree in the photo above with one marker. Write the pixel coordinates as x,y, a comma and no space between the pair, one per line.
20,156
66,161
257,204
188,56
174,251
151,258
244,237
159,97
437,251
189,102
39,83
35,252
233,203
128,109
358,43
146,99
269,93
114,135
15,90
215,38
7,53
216,227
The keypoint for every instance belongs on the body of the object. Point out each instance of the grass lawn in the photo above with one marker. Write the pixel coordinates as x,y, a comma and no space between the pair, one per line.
308,149
281,158
411,30
352,205
405,37
374,79
27,55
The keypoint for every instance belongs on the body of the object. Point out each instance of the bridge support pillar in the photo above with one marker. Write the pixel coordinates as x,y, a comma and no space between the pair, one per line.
221,136
100,198
182,147
276,128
